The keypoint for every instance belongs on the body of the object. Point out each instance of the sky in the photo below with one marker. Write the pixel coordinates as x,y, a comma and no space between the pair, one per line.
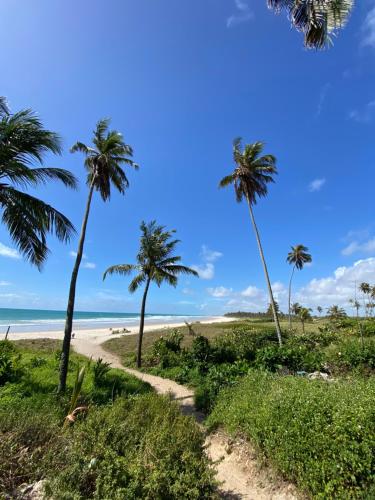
181,80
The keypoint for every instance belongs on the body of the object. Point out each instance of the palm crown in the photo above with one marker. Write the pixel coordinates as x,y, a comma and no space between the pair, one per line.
252,173
103,161
299,256
155,259
23,141
317,19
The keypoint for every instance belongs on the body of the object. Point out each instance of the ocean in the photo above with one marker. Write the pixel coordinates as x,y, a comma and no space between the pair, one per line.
36,320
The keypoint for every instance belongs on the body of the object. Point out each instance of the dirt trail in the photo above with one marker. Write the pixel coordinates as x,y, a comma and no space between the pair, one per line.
237,468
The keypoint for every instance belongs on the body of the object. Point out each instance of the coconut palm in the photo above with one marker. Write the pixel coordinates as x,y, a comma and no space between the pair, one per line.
318,20
103,163
295,308
155,263
335,313
365,288
304,315
298,256
356,305
24,141
251,176
320,310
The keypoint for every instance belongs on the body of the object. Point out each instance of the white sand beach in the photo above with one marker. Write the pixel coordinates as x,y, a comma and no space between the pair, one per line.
100,335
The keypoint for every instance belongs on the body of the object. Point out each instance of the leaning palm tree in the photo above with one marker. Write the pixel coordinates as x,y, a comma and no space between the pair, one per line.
252,174
155,263
318,20
103,163
23,141
298,256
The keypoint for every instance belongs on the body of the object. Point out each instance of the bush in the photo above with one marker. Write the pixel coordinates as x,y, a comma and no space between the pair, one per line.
351,354
100,370
139,448
293,355
320,435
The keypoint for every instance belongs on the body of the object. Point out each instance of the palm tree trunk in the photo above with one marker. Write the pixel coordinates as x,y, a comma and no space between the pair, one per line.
290,294
303,326
142,324
272,301
64,360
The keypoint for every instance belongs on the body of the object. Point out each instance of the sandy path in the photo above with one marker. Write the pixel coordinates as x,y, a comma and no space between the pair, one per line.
237,469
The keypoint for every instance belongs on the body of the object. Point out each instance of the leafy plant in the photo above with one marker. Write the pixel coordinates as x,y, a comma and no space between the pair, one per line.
100,369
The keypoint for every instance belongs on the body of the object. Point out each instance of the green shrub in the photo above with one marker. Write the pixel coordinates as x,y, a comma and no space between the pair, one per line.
139,448
292,355
351,354
320,435
100,370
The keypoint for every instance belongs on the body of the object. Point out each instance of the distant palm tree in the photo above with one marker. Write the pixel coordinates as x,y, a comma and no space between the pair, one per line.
155,263
23,141
104,168
320,310
252,174
316,19
365,288
304,315
356,305
295,308
335,313
298,257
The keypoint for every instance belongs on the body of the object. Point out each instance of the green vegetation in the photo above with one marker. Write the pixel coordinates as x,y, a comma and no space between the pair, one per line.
103,163
298,256
155,263
317,433
24,141
128,444
321,435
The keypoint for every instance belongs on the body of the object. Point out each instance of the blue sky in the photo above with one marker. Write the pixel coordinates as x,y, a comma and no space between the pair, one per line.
180,80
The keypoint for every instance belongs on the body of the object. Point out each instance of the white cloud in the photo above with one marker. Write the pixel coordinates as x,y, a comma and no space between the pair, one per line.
12,253
322,98
369,30
316,185
357,247
364,114
89,265
5,283
219,291
339,287
205,271
251,291
73,254
242,15
187,291
209,255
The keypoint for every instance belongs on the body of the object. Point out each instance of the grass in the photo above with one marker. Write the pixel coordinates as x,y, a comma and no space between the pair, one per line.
125,346
131,443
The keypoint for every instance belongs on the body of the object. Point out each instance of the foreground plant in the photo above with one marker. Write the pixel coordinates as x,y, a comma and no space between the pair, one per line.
23,141
318,20
250,178
298,256
155,262
104,169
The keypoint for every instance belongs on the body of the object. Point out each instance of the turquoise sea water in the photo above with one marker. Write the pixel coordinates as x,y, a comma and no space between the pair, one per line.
31,320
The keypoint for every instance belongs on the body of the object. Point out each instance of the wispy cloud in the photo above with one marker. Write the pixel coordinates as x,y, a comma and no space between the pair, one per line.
368,30
359,247
85,265
89,265
316,185
242,15
219,292
5,283
322,98
364,114
11,253
206,270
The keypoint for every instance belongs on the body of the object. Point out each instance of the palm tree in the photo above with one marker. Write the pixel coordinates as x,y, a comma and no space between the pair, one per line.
252,174
295,308
318,20
23,141
304,315
298,257
335,313
103,163
365,288
356,305
155,262
320,310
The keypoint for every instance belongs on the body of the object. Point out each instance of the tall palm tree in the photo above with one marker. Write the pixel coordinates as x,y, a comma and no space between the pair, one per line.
252,174
356,305
318,20
23,141
103,163
320,310
335,313
155,263
298,256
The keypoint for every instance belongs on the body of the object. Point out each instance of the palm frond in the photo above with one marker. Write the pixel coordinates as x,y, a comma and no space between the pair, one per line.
121,269
136,282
